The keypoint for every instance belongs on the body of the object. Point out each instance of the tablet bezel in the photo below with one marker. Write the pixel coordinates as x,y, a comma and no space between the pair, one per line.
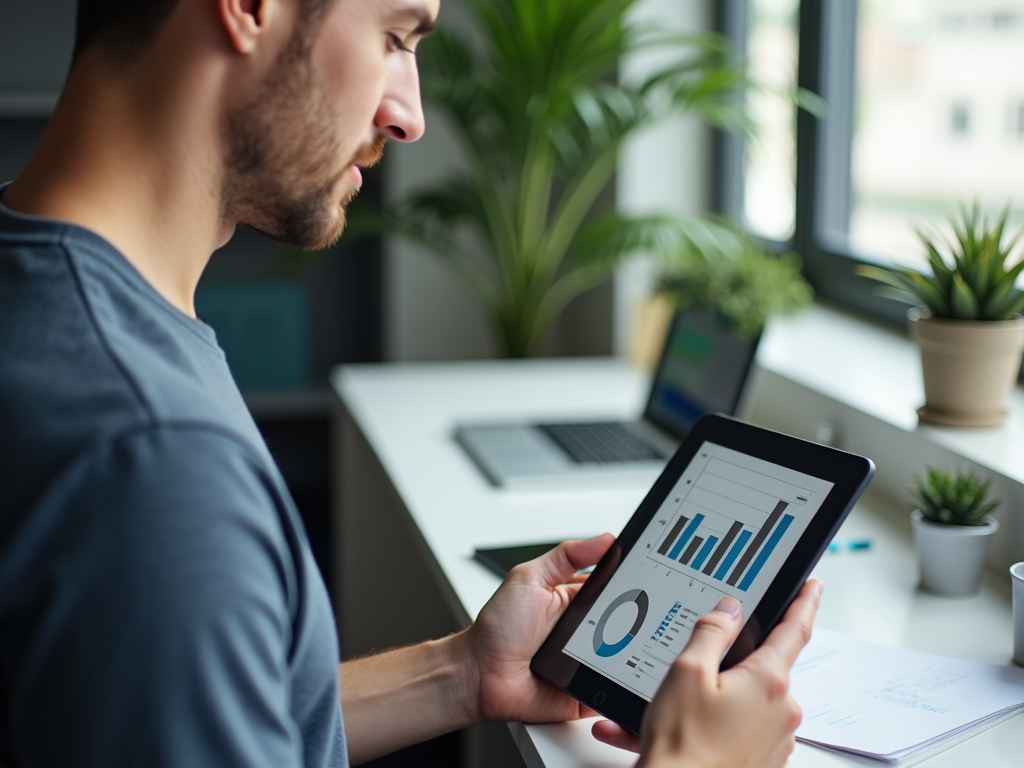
850,475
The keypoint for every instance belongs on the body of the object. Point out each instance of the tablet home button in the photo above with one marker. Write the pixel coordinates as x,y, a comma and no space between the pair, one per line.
599,699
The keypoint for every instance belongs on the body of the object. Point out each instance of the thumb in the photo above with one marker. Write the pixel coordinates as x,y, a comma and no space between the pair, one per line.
557,566
714,633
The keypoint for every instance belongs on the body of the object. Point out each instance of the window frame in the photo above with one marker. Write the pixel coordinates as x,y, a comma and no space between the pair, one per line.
823,150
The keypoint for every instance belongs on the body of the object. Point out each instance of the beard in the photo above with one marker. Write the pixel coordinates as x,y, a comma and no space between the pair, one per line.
282,175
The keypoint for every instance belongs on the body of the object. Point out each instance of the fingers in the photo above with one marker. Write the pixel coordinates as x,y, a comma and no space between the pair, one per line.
611,733
794,631
713,634
558,566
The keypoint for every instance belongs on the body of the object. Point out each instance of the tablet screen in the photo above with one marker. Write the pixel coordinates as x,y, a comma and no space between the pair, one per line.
726,528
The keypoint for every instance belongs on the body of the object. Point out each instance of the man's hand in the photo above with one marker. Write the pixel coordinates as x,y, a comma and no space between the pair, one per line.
741,718
511,628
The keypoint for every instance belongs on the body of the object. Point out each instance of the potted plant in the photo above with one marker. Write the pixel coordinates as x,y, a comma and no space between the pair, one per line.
540,114
744,284
747,284
967,324
952,530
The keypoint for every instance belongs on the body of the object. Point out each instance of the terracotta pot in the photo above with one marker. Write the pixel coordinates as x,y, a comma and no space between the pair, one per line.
969,368
951,557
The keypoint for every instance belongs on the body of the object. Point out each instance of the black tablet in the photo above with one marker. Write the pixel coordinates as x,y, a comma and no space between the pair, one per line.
740,511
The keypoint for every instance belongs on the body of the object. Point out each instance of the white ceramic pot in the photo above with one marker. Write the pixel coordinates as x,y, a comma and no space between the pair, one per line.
951,557
969,368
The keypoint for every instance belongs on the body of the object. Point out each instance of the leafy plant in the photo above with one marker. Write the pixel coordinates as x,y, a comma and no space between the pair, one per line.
970,279
747,285
959,498
541,116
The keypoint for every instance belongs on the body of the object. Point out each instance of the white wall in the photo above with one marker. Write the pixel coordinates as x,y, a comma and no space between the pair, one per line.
665,169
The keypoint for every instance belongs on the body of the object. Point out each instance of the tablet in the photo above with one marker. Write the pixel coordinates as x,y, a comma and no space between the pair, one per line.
740,511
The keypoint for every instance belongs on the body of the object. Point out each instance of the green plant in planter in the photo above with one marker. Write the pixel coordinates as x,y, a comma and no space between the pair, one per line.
747,284
970,279
540,114
959,498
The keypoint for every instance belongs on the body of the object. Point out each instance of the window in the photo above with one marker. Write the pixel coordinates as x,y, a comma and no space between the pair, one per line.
769,193
925,113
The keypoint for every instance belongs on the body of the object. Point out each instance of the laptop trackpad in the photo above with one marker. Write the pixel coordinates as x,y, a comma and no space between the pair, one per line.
513,450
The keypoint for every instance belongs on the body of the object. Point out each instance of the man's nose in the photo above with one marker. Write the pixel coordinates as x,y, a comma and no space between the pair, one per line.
400,114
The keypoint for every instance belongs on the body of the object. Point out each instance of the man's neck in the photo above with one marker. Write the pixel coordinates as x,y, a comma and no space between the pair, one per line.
138,163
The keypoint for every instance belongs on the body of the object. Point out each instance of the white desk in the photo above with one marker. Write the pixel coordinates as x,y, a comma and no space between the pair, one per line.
405,416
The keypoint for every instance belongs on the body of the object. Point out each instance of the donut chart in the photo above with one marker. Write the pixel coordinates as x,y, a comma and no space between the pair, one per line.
638,596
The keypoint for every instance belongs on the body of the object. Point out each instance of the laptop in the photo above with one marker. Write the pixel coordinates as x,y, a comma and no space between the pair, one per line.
704,368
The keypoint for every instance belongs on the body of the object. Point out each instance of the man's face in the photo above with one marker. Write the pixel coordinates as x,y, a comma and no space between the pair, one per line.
345,83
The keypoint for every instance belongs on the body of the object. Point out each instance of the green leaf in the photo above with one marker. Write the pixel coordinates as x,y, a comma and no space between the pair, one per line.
963,301
958,498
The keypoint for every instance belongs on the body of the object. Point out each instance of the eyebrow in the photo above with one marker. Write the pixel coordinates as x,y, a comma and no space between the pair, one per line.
427,25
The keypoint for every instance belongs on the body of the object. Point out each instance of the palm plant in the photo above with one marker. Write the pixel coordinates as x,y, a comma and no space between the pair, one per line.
541,117
970,280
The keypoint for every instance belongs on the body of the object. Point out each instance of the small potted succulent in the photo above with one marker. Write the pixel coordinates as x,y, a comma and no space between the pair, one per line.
952,530
967,322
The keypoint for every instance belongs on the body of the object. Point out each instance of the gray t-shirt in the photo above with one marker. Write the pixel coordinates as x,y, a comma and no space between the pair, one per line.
159,603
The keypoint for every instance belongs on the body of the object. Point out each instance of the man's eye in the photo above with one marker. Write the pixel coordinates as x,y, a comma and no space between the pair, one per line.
396,44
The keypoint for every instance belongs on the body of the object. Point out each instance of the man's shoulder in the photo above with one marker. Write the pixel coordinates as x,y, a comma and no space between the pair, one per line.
88,348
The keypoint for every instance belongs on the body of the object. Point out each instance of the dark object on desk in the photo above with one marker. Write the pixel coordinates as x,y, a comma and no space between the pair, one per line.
501,560
704,368
739,511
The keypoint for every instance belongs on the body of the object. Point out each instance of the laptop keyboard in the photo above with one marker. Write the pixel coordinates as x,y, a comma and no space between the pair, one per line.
600,443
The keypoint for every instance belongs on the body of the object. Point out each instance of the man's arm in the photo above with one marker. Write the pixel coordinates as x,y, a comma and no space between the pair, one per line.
401,697
698,718
411,694
150,624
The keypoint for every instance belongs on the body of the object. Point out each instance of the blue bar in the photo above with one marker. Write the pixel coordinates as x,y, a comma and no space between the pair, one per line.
690,529
741,542
766,551
704,552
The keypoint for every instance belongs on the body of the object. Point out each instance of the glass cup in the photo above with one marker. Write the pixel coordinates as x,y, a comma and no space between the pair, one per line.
1017,572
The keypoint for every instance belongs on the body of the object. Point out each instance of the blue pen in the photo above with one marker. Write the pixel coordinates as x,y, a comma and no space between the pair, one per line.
853,545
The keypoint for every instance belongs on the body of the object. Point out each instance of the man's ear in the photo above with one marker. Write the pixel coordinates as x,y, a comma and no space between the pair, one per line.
244,21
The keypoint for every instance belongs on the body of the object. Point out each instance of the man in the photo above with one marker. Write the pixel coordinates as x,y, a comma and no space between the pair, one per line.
159,605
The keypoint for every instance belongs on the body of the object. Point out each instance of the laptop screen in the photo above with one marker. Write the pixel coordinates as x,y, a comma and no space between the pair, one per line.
703,369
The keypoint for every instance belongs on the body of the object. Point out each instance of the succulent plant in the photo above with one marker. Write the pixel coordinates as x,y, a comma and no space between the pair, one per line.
970,278
958,498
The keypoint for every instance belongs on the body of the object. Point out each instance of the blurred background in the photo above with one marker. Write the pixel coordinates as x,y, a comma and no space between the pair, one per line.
924,109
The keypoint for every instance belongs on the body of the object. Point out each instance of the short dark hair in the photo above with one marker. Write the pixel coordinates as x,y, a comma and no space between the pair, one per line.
124,28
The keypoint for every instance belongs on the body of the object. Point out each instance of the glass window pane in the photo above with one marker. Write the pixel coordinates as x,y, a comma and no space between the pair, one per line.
769,191
939,118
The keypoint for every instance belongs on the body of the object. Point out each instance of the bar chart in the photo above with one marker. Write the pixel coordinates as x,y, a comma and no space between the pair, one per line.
729,523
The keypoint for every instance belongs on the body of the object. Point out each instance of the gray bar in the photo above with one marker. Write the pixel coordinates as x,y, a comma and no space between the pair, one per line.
717,555
672,535
695,543
755,545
